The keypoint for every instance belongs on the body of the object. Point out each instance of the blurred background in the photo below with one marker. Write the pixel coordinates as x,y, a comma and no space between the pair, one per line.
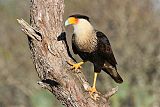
133,27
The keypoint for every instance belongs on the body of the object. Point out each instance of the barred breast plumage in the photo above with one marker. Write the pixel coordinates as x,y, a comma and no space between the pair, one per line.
86,43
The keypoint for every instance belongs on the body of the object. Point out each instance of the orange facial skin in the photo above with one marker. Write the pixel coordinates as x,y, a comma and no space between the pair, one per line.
72,20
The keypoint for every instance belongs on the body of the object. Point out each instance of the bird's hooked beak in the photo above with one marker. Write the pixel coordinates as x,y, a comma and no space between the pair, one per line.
71,20
67,23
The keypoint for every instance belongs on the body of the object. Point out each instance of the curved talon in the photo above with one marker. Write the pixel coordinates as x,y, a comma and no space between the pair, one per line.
94,93
75,66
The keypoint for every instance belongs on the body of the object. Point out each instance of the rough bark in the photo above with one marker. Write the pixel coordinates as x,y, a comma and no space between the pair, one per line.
49,55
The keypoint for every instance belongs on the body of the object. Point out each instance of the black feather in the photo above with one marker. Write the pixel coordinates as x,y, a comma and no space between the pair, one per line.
80,16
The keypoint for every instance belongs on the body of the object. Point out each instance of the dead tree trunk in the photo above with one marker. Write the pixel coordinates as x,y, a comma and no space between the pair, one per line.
50,55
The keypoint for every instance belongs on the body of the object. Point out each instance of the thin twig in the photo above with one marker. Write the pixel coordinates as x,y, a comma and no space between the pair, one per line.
111,92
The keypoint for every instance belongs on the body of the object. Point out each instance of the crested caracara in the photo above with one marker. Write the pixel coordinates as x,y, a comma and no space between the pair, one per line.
94,46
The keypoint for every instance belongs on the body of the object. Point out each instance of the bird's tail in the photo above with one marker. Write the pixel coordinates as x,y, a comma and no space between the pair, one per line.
113,73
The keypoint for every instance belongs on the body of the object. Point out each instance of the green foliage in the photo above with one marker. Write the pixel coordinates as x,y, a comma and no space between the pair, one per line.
138,97
43,99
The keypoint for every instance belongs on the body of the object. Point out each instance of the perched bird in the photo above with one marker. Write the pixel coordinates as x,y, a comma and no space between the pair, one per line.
94,46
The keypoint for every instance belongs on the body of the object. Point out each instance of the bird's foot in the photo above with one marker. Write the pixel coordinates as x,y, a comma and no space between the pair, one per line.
75,66
94,93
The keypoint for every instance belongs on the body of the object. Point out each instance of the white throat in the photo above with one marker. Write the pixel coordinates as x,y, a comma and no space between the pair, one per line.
82,28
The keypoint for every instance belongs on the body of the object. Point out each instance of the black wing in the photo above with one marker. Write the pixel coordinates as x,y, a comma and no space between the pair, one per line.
105,49
73,45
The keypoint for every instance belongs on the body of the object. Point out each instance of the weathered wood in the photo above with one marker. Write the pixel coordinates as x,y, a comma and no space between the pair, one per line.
50,55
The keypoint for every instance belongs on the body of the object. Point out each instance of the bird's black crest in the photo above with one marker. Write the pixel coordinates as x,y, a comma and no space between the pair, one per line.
80,16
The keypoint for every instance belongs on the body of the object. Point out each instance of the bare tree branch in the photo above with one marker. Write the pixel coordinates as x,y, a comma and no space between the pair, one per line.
29,30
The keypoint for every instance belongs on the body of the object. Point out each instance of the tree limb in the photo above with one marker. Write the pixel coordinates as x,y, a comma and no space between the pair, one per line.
29,30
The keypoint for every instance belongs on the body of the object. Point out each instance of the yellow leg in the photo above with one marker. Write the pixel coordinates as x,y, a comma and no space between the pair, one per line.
95,78
93,89
75,66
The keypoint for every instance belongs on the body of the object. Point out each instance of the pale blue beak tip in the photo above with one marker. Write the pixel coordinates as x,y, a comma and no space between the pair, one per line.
66,23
